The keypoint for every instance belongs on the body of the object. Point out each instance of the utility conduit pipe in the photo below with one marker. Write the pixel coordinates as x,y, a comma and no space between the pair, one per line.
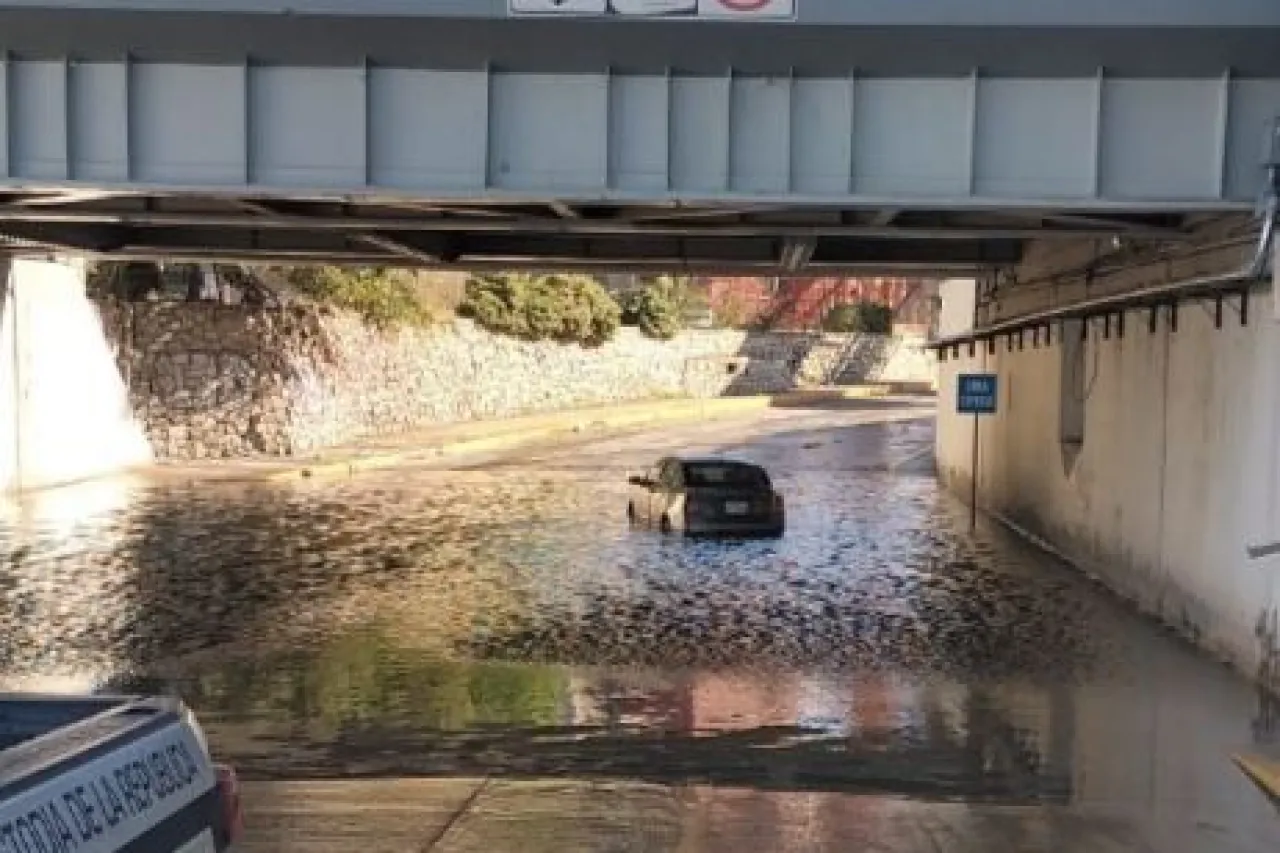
1208,285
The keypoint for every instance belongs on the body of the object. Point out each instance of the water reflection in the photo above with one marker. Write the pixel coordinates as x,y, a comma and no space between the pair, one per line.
53,614
360,705
361,680
506,623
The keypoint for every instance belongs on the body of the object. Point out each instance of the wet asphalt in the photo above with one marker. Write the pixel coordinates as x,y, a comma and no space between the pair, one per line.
490,648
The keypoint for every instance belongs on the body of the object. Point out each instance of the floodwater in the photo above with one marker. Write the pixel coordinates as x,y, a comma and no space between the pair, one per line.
493,646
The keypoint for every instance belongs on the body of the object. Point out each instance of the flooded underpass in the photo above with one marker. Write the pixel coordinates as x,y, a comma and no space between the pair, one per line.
489,658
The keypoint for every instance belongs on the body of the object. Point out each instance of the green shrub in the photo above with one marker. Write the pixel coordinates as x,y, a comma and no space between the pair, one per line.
564,308
658,308
381,296
869,317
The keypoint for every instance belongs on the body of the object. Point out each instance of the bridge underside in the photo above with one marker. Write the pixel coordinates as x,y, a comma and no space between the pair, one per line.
841,158
439,168
551,234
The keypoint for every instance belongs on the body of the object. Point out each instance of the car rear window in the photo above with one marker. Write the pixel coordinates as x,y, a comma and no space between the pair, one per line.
710,474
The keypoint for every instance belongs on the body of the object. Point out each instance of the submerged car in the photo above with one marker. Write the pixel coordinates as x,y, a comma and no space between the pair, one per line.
706,497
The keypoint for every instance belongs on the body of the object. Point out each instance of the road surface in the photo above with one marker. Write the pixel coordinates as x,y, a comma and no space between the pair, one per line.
487,658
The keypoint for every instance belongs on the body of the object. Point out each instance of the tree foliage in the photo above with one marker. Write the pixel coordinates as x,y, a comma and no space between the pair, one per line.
869,317
564,308
659,307
732,311
383,297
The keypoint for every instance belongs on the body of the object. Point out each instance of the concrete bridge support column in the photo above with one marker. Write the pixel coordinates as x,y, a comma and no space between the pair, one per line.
10,394
64,409
1143,444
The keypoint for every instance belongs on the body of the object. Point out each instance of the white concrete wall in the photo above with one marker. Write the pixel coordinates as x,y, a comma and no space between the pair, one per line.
8,379
908,361
956,313
1178,472
64,408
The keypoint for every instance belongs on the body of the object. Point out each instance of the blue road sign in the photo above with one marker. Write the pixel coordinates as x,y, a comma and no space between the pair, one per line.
977,394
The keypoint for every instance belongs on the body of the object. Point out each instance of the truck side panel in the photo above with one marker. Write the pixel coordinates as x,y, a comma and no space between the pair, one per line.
159,782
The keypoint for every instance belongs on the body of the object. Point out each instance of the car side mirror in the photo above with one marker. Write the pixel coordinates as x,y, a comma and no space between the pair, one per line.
638,481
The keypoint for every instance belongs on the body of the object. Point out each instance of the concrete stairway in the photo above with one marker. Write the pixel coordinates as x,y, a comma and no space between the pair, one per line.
863,360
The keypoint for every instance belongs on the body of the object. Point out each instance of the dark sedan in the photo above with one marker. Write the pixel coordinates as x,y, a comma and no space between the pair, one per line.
709,497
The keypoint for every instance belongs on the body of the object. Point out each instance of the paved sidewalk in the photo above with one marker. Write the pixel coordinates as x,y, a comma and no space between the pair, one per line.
459,815
461,439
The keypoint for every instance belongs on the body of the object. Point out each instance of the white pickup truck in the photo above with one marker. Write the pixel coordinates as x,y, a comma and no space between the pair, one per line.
103,774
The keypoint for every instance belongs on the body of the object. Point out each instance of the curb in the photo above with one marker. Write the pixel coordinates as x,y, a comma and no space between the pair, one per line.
1262,772
558,425
856,392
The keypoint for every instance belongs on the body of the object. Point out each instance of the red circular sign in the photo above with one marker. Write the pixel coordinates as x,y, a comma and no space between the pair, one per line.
744,5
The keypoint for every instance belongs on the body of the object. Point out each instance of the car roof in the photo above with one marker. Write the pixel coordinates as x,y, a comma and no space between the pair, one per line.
713,460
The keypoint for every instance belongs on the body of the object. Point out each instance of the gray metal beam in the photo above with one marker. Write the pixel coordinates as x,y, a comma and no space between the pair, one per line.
1170,13
363,131
272,219
1137,38
142,251
604,251
90,238
563,210
63,198
400,250
1117,225
680,214
797,253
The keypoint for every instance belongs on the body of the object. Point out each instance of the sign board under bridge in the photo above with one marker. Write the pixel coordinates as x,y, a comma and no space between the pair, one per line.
977,394
690,9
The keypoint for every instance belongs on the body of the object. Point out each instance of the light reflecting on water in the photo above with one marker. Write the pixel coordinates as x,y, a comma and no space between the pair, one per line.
504,622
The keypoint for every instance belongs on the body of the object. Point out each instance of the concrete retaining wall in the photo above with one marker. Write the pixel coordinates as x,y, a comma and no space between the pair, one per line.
1177,475
64,409
208,381
212,381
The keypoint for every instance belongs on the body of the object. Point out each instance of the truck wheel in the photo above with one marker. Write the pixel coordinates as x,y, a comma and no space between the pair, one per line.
665,526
